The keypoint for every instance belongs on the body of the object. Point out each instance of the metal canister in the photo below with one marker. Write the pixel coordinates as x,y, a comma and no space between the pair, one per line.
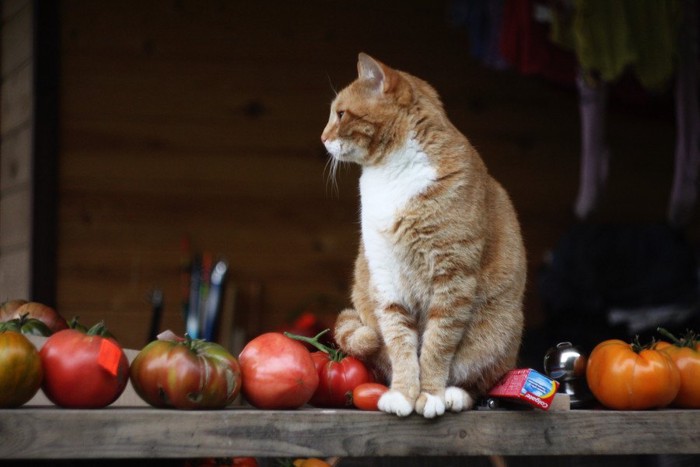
566,363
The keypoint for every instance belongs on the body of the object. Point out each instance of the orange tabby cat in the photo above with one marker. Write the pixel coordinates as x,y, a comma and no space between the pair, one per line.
440,274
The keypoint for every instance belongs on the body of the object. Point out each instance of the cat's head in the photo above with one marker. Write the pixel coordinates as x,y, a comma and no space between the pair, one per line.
370,117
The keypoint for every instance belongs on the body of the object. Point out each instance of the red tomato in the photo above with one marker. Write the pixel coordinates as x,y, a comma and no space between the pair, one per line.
338,374
186,374
685,353
36,310
278,372
337,379
20,369
365,396
83,370
245,462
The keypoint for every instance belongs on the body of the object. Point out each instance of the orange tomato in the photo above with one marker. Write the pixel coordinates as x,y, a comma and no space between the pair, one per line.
311,462
628,376
685,353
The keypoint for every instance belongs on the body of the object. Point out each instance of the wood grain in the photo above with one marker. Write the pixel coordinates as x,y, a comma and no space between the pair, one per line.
36,433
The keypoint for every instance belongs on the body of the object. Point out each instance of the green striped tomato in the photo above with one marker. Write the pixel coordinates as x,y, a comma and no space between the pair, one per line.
20,369
185,373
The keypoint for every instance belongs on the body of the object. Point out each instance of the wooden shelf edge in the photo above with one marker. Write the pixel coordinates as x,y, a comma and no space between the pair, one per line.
43,433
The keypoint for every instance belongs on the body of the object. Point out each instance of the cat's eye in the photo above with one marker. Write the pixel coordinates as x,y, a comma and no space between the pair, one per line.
340,114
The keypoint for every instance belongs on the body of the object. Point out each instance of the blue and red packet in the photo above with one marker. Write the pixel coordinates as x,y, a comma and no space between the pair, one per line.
528,386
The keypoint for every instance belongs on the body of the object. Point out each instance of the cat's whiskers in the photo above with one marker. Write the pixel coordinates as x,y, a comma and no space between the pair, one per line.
331,172
333,88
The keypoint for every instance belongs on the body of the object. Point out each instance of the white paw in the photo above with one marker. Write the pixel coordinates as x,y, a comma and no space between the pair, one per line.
457,399
431,406
395,402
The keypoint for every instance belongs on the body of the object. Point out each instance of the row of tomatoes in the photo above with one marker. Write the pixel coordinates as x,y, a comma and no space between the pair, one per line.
82,368
631,376
87,368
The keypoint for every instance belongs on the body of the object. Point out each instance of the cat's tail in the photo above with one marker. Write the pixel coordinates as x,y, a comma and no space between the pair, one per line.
354,337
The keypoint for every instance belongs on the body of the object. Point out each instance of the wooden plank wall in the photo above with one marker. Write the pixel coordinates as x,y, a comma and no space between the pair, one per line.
16,148
203,118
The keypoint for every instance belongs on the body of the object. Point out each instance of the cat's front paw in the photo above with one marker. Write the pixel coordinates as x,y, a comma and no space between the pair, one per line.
394,402
457,399
430,405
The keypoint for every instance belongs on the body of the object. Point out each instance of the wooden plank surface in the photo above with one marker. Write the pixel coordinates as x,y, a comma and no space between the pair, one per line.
42,433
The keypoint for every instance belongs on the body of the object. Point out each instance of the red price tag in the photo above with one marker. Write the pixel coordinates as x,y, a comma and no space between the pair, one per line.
109,357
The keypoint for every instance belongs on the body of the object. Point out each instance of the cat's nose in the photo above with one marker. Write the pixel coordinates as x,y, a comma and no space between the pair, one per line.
325,134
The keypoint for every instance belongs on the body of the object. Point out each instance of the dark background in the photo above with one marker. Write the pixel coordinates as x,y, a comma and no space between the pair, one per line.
202,119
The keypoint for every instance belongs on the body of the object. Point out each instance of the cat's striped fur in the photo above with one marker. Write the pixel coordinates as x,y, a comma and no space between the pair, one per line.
440,274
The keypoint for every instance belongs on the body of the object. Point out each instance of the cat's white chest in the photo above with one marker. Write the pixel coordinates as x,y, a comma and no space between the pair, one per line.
385,191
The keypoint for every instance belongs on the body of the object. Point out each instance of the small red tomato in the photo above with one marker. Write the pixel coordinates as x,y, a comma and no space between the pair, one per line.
83,370
338,374
278,372
365,396
186,374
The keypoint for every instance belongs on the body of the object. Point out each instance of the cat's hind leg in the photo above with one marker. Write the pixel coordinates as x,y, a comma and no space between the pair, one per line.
354,337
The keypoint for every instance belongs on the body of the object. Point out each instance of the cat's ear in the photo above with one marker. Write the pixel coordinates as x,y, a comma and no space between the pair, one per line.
382,78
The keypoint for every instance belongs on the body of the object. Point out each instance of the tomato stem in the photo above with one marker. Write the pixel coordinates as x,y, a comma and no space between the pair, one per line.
100,329
335,355
97,330
688,340
638,346
190,343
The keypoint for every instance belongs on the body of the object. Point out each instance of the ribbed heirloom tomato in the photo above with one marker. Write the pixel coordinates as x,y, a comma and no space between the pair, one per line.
685,353
20,369
185,373
628,376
